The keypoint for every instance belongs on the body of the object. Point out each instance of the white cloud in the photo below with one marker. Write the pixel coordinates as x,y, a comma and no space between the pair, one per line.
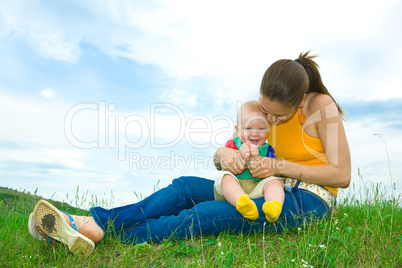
59,131
55,45
180,97
31,119
66,158
229,44
388,87
48,93
232,44
41,29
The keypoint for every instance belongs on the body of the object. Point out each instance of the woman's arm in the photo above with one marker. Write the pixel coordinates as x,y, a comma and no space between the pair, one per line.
329,129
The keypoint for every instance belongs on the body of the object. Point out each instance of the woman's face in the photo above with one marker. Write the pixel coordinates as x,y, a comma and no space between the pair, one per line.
277,113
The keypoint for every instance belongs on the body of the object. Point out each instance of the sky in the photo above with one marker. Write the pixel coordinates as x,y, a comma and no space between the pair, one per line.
111,100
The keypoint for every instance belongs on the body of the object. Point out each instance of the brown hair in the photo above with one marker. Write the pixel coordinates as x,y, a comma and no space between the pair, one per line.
286,81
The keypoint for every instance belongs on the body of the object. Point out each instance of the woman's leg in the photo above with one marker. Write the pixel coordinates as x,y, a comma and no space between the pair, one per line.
85,225
300,208
213,217
184,193
208,218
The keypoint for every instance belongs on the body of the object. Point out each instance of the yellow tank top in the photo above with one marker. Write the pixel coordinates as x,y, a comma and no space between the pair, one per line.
291,143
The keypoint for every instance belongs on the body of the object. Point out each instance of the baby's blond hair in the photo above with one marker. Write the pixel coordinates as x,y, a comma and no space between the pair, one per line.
248,107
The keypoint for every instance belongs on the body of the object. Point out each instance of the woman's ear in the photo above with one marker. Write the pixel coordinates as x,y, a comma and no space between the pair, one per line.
302,101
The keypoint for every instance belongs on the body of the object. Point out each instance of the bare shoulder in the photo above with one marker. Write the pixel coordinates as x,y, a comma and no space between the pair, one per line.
317,100
324,104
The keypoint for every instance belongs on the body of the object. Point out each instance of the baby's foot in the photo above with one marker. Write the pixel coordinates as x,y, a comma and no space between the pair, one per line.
247,207
272,210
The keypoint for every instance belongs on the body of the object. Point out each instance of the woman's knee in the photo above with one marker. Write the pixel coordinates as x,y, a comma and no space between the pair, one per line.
185,184
194,187
182,181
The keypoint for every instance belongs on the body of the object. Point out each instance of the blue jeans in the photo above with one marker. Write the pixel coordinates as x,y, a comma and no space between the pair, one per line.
187,208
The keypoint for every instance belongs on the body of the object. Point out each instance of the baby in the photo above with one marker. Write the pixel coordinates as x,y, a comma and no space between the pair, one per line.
252,132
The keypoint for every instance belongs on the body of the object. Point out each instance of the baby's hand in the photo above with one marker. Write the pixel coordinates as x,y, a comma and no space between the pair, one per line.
253,151
245,151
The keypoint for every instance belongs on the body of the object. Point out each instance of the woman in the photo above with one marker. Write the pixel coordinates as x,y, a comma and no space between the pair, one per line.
311,147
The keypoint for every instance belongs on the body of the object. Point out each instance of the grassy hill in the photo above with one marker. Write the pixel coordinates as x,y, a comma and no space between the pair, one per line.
357,234
24,202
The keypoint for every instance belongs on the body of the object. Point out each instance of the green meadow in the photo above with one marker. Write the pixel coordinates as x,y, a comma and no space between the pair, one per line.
361,232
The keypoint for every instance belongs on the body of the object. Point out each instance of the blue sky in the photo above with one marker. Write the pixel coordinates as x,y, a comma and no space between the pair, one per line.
97,94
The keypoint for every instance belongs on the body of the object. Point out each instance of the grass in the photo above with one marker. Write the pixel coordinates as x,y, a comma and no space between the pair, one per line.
358,234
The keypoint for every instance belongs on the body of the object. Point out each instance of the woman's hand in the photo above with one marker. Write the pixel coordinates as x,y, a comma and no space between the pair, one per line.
263,167
229,160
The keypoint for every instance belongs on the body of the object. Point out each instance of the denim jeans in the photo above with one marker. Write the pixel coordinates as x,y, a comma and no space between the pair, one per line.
187,208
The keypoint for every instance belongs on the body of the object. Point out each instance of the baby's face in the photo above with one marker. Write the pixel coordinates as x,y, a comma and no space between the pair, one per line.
254,128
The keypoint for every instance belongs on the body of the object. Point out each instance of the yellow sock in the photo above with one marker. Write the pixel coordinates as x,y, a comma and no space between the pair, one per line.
272,210
247,207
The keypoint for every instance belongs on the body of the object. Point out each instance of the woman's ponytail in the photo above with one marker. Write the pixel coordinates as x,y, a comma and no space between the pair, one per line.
315,82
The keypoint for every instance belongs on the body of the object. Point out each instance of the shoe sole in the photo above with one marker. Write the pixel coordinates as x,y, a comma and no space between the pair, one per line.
53,224
32,229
